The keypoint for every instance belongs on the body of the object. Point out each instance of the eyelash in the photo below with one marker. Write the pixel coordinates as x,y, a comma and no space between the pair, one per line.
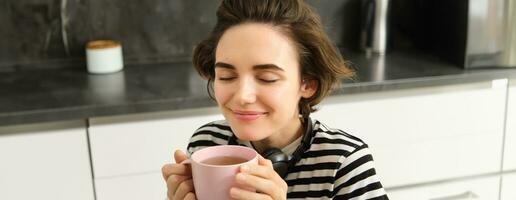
262,80
226,79
268,81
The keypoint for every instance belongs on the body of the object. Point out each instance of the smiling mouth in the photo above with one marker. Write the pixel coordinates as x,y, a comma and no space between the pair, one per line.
248,115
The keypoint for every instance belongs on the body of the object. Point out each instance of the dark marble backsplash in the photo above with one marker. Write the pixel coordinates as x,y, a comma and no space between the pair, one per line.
51,33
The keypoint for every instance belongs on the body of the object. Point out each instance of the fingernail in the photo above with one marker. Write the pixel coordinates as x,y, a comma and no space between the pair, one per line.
240,177
244,168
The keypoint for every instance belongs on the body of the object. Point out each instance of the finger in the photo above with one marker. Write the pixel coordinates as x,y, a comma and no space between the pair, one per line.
165,171
263,185
190,196
265,170
264,161
179,156
184,188
176,169
237,193
173,183
258,170
272,173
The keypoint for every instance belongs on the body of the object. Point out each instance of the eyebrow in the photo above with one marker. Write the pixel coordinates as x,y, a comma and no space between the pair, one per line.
255,67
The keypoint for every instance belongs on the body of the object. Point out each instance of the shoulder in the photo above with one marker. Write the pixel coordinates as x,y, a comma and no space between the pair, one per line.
210,134
356,171
327,138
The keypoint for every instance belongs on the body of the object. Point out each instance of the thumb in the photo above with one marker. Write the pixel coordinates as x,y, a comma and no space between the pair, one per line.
179,156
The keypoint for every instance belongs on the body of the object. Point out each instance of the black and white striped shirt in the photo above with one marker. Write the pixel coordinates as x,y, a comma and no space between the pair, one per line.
336,166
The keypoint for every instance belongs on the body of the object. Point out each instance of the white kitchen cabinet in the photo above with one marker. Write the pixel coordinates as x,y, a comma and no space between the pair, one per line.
510,132
129,151
425,134
45,161
133,187
508,187
477,189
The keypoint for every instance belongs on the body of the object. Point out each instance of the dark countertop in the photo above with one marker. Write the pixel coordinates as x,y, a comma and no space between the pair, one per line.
45,95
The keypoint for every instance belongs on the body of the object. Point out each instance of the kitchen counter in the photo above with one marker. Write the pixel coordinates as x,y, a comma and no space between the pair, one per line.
44,95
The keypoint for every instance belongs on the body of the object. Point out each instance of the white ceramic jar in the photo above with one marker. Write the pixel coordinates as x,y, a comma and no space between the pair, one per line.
104,56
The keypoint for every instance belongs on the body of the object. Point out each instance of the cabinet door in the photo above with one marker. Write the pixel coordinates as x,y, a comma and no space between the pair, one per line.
45,161
133,187
477,189
425,134
510,132
508,185
132,147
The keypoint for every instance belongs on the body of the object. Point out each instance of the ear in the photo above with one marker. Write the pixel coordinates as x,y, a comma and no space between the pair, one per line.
309,87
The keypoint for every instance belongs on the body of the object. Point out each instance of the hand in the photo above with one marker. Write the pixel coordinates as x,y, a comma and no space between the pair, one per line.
179,178
261,177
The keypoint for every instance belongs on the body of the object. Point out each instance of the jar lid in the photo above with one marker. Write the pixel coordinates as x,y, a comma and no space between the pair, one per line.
102,44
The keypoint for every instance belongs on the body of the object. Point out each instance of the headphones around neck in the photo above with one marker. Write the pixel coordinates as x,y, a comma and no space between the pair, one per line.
281,161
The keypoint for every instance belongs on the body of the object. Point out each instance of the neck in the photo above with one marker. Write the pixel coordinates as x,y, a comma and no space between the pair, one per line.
284,137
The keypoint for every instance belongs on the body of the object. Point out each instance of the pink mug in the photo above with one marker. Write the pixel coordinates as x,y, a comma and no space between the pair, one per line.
214,169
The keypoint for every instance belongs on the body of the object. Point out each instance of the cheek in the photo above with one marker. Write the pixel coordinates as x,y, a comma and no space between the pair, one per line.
273,96
283,97
221,93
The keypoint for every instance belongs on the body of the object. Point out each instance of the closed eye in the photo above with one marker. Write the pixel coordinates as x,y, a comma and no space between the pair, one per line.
226,78
268,80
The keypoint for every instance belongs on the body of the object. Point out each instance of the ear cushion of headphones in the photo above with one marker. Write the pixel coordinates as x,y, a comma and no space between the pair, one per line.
275,155
279,160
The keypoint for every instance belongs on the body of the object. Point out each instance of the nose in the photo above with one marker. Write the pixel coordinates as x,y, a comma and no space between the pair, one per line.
246,93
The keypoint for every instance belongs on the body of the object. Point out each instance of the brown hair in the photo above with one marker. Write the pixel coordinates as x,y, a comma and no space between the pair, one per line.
318,57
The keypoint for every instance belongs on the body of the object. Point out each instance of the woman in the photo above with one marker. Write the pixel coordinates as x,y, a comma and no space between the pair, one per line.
268,63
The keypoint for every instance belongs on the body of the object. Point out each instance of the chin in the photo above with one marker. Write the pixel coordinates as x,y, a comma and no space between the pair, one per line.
248,133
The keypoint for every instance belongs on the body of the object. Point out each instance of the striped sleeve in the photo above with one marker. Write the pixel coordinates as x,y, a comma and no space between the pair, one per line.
212,134
356,179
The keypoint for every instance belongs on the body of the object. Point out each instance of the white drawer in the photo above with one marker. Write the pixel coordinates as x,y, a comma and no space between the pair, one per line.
45,161
426,134
510,133
508,185
142,143
478,189
134,187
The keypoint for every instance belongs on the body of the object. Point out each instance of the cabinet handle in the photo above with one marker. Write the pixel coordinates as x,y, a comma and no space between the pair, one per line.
464,195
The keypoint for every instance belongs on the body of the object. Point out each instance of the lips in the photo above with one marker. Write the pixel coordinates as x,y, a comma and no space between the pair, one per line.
248,115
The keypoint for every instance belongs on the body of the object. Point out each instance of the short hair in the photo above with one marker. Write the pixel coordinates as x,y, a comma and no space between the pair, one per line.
319,59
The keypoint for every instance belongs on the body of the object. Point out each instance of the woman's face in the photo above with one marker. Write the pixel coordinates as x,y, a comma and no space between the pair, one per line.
258,81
